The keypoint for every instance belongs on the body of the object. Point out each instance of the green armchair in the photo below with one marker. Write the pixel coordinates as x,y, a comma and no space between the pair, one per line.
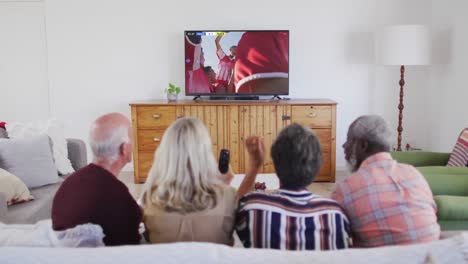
449,186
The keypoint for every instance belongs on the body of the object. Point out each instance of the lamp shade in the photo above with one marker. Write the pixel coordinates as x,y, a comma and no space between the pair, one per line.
404,45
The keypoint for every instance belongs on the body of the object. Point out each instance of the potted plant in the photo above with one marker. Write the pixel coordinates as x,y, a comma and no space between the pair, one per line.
172,92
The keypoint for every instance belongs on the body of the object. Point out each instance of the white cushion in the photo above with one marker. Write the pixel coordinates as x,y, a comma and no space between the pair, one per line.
54,130
41,234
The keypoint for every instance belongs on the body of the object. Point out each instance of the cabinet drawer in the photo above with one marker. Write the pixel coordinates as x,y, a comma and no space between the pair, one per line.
155,116
149,139
145,161
312,116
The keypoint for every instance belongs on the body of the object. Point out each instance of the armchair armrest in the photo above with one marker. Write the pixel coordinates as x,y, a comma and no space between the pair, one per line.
420,158
3,205
77,153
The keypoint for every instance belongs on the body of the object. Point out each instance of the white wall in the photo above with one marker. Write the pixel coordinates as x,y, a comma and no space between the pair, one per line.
448,113
104,54
23,61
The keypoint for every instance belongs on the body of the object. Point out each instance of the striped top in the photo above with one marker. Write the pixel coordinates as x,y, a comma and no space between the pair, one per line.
293,220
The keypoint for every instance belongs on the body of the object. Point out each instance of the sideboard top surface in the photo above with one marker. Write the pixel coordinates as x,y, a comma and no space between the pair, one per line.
237,102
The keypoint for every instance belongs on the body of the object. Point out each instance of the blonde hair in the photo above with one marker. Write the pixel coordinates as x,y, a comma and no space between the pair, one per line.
183,177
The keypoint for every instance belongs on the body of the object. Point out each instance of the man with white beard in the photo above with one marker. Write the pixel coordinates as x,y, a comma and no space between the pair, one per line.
388,203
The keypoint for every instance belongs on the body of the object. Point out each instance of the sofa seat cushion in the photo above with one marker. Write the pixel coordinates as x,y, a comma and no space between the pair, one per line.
452,207
31,212
443,170
446,180
454,226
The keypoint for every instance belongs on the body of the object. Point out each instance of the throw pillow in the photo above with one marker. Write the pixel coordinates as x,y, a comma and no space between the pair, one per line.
55,131
30,159
459,155
13,188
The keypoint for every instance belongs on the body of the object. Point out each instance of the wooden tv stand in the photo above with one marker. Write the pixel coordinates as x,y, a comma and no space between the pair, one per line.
229,122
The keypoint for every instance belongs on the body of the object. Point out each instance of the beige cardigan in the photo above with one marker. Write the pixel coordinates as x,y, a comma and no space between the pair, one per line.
214,225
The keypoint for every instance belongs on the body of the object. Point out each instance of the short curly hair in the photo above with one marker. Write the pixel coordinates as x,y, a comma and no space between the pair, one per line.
297,156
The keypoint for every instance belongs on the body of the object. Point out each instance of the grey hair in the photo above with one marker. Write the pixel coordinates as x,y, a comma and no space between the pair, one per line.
297,156
374,129
109,147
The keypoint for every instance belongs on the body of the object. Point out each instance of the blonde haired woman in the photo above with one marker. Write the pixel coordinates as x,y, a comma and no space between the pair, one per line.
185,197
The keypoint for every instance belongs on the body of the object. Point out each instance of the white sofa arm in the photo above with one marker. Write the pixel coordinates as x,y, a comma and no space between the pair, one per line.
3,205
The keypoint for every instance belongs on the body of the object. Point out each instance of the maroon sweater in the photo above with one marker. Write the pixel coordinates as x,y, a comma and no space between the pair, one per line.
94,195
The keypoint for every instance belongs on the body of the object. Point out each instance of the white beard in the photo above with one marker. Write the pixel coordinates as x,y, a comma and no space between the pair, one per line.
351,164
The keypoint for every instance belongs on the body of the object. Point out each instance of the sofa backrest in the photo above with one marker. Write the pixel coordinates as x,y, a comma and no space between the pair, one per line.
451,250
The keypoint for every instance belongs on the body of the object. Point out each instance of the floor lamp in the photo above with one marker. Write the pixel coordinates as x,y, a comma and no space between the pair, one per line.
404,45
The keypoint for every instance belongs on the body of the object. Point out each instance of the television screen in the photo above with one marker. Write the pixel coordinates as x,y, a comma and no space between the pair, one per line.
237,62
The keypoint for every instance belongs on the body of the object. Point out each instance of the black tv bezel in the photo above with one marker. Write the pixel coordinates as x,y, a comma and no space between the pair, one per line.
237,94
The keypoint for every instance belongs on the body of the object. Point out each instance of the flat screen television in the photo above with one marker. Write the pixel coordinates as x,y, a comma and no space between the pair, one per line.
237,63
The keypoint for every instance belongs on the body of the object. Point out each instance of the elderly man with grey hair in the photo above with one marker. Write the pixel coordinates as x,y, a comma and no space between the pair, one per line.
93,194
388,203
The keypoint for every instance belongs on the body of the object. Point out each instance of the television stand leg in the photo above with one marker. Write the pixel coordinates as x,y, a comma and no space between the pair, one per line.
197,97
276,97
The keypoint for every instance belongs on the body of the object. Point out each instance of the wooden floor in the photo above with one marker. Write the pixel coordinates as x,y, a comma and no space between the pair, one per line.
320,188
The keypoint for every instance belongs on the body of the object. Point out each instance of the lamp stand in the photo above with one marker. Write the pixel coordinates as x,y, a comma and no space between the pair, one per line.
401,106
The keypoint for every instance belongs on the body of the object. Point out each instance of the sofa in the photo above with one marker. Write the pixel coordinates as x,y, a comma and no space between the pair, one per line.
449,186
450,250
40,208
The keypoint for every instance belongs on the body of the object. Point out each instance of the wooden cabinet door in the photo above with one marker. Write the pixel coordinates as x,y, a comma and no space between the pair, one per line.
321,119
261,120
222,124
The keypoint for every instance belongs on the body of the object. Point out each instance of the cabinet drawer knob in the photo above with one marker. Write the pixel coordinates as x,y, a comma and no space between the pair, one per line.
156,139
156,116
312,115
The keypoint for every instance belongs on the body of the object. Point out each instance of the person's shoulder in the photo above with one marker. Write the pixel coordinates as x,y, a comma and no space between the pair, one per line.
105,179
92,170
327,204
84,170
350,179
80,176
409,171
319,198
256,195
407,167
